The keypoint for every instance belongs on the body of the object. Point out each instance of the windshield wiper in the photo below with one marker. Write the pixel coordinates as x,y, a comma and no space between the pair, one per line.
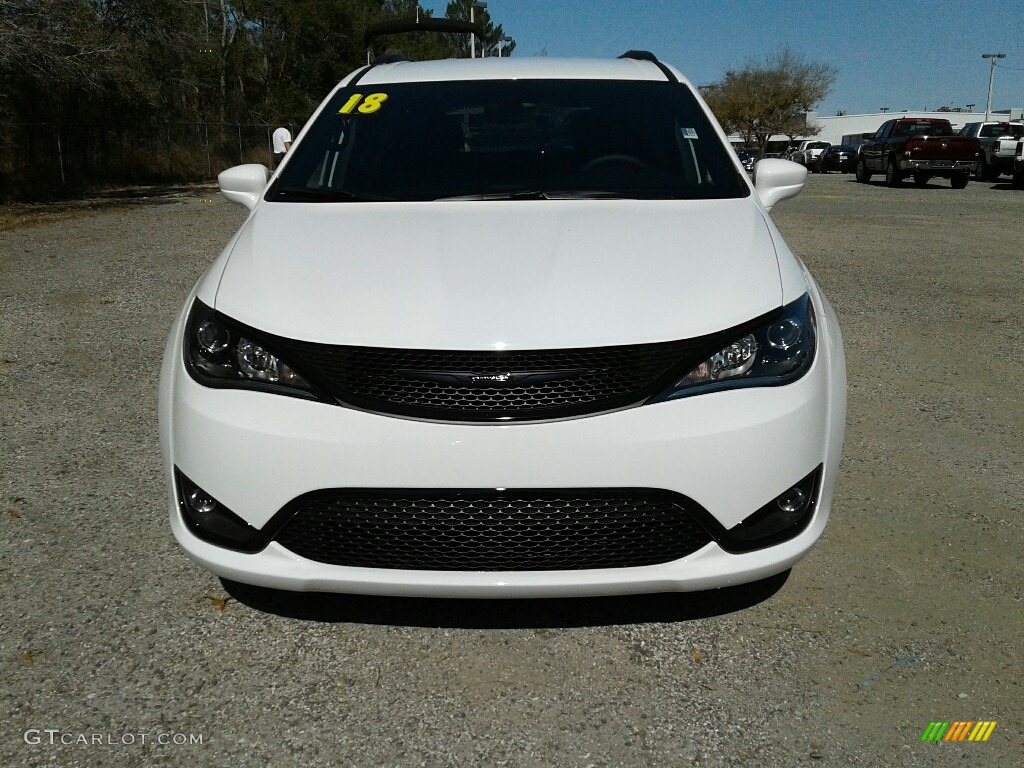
583,194
305,195
522,195
557,194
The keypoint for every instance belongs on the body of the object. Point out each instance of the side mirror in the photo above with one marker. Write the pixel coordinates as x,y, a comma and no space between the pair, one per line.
778,180
243,184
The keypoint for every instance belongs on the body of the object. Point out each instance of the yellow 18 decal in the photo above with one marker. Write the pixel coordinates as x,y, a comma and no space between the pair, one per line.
364,106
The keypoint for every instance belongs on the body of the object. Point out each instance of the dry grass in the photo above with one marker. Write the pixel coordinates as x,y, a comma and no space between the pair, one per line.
17,216
22,182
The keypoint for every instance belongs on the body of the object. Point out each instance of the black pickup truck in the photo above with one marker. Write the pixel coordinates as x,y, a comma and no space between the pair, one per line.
918,147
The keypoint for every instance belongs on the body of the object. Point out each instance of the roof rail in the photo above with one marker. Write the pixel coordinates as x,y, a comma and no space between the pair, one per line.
420,24
648,56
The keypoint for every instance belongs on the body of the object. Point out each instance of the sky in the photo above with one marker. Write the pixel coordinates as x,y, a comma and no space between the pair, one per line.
901,54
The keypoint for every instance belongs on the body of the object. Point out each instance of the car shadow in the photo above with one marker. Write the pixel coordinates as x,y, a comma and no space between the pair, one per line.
907,183
505,614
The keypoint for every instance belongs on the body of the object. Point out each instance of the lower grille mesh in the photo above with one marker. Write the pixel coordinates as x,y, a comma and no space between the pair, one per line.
491,531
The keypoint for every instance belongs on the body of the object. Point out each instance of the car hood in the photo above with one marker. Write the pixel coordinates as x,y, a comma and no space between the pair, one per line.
500,274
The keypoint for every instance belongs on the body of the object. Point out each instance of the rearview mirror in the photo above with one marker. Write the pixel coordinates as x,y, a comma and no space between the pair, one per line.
778,180
244,184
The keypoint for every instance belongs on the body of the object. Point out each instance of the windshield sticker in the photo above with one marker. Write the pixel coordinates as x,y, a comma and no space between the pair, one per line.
689,133
358,104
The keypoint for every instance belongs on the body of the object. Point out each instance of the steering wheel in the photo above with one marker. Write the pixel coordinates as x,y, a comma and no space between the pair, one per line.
622,159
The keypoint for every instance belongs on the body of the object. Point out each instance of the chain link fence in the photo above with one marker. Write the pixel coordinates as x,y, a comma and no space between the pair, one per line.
47,160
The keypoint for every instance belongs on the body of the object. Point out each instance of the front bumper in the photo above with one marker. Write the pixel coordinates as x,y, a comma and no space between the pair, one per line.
731,452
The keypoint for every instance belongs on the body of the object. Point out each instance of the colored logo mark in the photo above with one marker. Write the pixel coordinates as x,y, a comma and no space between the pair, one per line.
959,730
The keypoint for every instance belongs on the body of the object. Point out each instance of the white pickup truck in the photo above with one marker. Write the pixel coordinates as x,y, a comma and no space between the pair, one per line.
998,146
1018,166
806,153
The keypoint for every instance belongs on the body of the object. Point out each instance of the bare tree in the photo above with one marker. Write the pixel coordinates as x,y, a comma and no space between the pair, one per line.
51,43
770,97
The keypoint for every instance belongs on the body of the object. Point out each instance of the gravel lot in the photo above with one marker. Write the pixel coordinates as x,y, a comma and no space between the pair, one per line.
910,610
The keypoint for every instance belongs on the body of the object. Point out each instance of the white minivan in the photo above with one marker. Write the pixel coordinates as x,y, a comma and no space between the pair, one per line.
505,328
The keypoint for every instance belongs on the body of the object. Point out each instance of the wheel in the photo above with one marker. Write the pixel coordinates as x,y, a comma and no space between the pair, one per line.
920,179
893,177
1018,180
985,171
862,173
607,159
959,180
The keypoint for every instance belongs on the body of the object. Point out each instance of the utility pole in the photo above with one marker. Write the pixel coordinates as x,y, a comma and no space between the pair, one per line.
472,20
991,76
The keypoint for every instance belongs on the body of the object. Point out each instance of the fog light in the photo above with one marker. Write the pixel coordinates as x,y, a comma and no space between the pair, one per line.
779,520
200,502
212,522
792,500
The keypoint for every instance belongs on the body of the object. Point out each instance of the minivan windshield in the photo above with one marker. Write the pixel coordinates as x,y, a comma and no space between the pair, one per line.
509,139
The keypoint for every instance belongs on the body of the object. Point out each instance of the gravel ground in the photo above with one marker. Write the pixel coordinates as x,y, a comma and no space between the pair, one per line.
908,611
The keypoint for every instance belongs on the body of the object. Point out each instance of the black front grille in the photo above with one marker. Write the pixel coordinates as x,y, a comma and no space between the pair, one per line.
492,531
489,386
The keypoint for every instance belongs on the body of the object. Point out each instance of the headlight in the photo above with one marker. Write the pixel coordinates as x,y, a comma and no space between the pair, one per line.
219,353
776,352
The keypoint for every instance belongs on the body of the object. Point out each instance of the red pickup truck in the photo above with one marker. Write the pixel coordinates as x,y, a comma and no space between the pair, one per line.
918,147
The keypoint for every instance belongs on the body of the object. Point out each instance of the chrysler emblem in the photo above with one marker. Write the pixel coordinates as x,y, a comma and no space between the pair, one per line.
479,379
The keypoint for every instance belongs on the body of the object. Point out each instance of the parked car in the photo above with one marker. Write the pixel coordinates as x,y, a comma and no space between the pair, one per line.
806,152
918,147
998,141
809,151
794,155
504,327
747,159
838,157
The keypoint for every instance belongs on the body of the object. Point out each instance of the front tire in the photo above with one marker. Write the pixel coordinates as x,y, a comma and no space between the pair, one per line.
862,173
959,180
893,177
